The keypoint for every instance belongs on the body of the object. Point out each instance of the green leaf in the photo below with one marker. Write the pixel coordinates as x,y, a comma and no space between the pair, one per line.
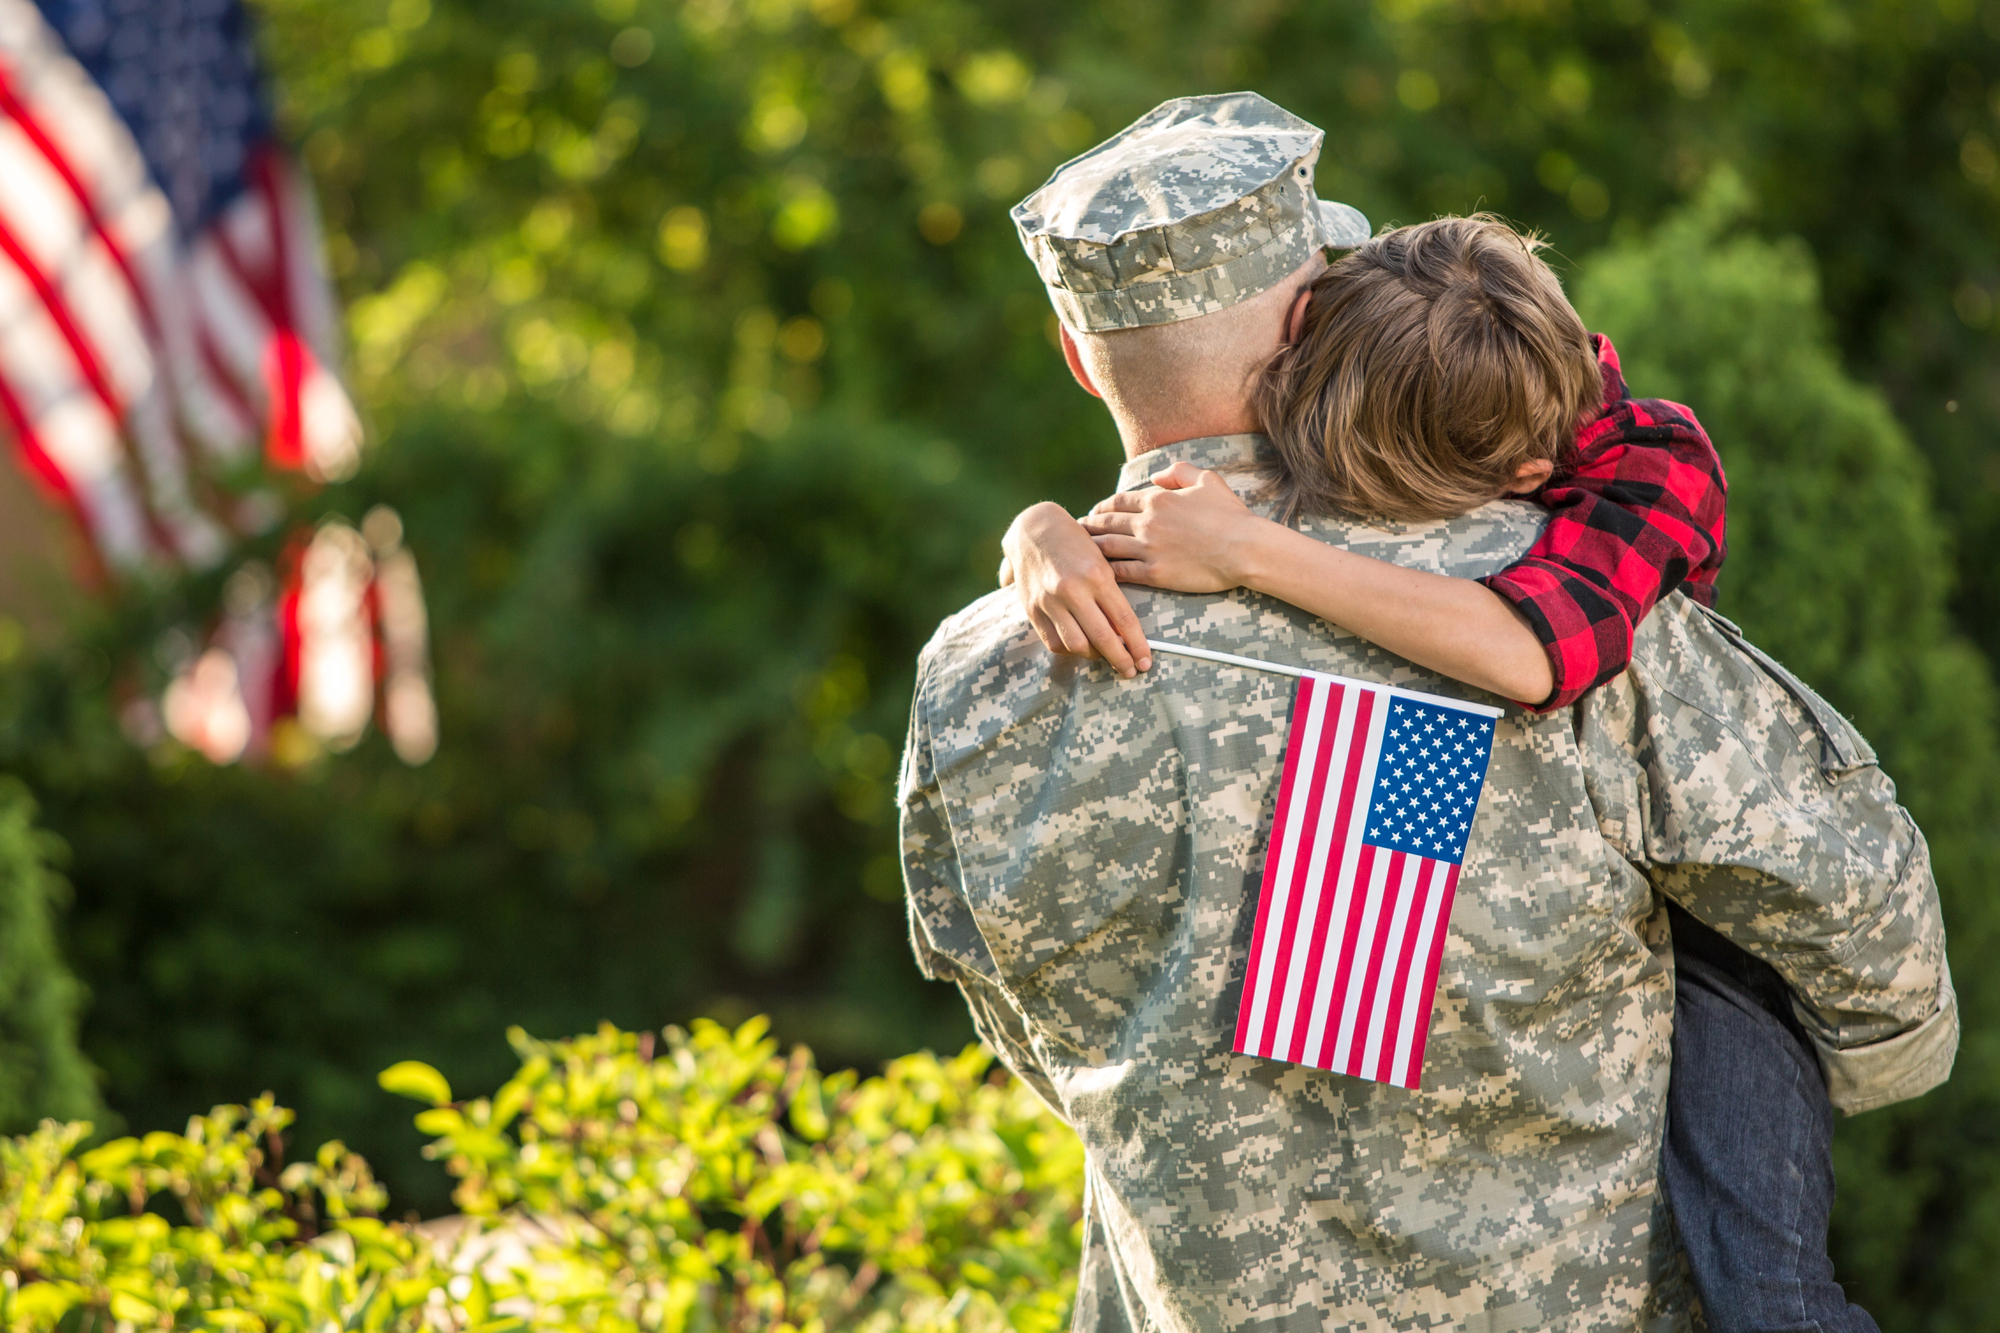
113,1156
808,1110
440,1121
417,1081
507,1103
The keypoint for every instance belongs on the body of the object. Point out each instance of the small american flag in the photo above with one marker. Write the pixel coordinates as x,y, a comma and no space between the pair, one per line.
1377,800
1378,796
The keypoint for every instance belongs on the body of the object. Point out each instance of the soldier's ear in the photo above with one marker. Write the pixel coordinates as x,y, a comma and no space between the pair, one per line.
1075,360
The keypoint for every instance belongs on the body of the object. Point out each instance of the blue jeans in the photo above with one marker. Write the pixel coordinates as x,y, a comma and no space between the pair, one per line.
1748,1159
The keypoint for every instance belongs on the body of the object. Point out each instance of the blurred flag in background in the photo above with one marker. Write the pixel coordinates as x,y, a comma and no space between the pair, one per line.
167,343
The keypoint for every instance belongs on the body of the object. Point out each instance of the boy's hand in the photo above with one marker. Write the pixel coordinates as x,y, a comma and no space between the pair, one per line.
1190,534
1067,588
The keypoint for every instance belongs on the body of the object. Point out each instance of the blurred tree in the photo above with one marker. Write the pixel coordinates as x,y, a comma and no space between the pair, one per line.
1839,565
37,557
42,1074
704,388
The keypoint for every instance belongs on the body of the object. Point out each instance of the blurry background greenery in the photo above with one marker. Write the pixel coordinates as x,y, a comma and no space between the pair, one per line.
704,368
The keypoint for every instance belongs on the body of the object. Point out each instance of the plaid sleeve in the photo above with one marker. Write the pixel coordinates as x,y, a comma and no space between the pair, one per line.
1635,513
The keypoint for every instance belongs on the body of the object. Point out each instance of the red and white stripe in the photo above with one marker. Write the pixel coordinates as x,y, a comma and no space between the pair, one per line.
1349,937
264,327
78,220
119,343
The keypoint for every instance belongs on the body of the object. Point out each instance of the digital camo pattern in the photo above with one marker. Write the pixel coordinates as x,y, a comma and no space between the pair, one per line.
1199,204
1081,855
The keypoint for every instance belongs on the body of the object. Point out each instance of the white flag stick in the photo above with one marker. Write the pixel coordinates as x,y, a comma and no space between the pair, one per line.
1231,659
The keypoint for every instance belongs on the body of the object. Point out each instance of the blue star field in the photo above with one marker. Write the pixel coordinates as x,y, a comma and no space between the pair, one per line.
1427,783
183,75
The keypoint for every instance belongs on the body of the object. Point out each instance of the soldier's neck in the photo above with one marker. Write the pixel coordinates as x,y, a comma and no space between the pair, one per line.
1142,435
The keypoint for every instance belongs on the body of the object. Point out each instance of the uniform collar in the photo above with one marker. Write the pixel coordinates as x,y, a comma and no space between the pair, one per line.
1215,452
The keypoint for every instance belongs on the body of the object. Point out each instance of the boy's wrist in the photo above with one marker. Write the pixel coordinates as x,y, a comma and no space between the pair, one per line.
1256,554
1025,523
1038,517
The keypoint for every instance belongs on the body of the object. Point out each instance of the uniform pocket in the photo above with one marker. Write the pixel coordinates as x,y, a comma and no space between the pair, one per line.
1843,751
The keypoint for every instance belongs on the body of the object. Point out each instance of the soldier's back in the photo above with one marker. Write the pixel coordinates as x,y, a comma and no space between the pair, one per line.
1109,837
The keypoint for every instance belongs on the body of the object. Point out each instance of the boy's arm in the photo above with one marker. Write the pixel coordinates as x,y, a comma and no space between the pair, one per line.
1452,626
1194,534
1640,514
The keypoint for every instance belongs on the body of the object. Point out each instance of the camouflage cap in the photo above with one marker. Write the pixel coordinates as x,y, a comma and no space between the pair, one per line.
1198,204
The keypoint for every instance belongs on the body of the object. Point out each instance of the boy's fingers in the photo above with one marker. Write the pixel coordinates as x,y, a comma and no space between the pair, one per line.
1121,502
1045,631
1106,640
1132,571
1117,546
1177,477
1075,642
1126,622
1097,525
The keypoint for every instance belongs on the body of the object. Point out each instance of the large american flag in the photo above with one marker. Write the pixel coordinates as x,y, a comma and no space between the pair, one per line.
1376,804
162,312
166,344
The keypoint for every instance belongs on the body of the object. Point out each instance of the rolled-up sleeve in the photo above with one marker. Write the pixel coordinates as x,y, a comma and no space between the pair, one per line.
1762,811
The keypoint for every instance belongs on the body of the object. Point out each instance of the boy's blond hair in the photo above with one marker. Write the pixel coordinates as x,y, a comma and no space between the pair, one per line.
1432,362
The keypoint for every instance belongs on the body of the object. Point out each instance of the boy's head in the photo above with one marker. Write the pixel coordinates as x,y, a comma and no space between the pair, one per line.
1436,367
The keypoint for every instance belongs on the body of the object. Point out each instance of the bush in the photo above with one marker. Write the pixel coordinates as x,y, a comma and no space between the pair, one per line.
41,1071
615,1182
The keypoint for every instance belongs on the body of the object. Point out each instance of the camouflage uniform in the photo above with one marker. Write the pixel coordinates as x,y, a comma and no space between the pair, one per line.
1082,857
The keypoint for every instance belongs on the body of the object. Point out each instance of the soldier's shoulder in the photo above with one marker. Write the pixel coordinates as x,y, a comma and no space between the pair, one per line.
973,632
1697,656
985,649
1483,541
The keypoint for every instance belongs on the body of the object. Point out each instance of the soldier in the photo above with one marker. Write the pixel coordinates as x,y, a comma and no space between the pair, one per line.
1082,853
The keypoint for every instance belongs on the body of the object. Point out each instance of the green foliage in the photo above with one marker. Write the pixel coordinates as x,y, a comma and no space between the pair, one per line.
1865,127
689,482
41,1071
416,1080
1839,564
76,1235
611,1184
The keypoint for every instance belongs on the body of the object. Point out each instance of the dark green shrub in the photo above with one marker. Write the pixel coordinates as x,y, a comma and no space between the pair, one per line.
41,1071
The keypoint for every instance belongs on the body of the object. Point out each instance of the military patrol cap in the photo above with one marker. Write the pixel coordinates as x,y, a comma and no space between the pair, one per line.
1199,204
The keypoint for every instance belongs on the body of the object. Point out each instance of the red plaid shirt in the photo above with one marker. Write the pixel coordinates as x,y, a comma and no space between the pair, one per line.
1634,513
